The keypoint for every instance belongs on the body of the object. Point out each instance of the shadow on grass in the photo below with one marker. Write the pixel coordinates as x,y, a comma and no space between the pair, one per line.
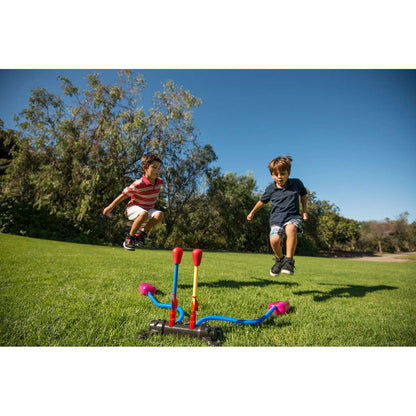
358,291
230,328
232,284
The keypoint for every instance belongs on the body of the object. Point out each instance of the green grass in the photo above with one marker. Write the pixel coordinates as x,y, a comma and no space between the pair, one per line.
62,294
409,257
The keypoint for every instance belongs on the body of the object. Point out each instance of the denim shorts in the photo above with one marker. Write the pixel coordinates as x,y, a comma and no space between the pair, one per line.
278,230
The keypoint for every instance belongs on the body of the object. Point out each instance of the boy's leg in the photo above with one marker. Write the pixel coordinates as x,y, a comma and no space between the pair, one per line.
291,231
139,220
291,240
276,234
155,219
138,216
276,244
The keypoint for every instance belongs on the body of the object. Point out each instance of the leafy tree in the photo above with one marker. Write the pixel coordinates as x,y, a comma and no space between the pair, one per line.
76,153
400,233
388,235
378,231
326,228
310,226
411,232
335,230
231,198
7,143
216,218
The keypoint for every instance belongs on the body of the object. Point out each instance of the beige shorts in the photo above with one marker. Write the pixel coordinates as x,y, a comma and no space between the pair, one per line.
133,212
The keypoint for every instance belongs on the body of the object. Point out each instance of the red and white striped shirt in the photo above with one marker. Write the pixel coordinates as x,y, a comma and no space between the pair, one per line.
143,193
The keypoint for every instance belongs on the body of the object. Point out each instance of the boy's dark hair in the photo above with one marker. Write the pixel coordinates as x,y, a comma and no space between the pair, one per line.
280,164
148,159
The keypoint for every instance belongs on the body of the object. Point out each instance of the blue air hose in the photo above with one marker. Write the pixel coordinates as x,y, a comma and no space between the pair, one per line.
167,306
236,321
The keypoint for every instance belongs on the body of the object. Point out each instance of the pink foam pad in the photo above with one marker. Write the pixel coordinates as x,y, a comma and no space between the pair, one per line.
282,306
147,287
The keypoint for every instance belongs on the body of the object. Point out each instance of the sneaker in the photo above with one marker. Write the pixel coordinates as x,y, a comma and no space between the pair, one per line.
275,270
288,266
140,236
129,243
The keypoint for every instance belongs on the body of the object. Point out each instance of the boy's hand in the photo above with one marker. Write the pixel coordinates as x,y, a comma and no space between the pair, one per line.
304,216
107,210
249,217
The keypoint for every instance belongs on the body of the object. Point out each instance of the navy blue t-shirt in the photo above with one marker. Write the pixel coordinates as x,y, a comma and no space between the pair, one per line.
285,201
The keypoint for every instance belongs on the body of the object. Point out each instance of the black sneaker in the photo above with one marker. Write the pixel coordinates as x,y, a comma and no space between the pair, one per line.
129,243
140,236
275,270
288,266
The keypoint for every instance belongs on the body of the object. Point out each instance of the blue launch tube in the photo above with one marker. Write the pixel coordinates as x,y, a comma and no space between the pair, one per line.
175,279
236,321
167,306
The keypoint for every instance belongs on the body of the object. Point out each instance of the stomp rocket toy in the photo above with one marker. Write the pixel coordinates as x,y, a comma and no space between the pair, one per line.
195,329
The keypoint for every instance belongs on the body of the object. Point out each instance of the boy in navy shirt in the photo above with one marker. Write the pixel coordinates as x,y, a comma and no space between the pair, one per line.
285,216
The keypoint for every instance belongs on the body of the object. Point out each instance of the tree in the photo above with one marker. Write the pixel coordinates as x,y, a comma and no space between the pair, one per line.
216,218
76,153
411,232
326,228
335,230
399,233
388,235
231,198
7,143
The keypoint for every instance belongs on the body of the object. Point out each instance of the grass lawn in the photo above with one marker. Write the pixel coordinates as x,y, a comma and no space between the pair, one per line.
62,294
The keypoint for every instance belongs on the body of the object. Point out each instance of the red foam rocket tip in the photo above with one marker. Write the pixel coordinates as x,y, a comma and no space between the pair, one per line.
197,256
177,255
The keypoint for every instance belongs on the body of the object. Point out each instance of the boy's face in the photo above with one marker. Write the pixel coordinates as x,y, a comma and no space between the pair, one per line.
152,171
280,177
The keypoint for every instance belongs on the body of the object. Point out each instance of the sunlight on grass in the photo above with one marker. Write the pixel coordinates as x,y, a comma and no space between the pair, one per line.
411,257
55,293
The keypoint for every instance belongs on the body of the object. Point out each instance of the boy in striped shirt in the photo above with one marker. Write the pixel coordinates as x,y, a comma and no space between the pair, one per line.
140,209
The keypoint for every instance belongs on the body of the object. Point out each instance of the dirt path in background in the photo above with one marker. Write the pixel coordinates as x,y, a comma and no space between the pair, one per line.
399,257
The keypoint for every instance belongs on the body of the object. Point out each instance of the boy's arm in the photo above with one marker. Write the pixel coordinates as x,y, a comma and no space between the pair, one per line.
254,210
303,200
119,199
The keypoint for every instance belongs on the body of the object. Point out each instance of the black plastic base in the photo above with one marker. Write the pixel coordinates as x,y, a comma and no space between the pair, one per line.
203,332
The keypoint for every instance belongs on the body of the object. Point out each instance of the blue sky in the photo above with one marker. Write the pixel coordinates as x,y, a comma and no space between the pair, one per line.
351,133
